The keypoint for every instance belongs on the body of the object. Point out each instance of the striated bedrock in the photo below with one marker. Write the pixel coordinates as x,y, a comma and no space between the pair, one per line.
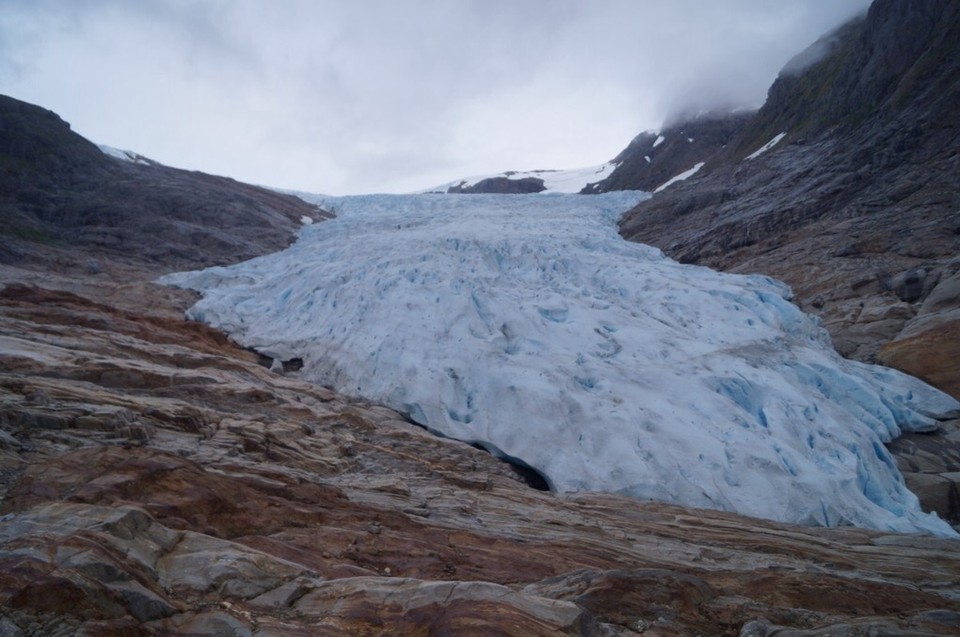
155,479
855,204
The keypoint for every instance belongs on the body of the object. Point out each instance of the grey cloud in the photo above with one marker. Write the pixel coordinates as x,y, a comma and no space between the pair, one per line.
382,95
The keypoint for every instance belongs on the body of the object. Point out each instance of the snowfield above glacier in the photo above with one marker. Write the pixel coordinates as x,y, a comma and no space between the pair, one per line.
526,324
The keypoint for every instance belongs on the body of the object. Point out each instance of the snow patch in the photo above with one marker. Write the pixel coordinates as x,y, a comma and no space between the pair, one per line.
770,144
528,325
682,176
658,140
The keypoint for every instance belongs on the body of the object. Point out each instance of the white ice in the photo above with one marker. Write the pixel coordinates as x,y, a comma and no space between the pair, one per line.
770,144
528,325
682,176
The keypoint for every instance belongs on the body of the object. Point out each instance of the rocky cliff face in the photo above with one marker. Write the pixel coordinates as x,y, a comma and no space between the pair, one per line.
856,206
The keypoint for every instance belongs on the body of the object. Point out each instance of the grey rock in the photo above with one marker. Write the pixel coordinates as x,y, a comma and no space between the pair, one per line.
208,624
142,603
945,296
8,628
909,286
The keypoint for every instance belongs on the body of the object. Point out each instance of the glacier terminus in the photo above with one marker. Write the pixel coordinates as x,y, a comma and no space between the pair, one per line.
526,324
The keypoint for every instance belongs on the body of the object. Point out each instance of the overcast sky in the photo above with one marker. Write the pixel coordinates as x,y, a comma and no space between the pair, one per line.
357,96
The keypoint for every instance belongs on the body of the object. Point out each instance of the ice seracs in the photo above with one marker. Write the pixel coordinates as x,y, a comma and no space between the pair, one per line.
528,325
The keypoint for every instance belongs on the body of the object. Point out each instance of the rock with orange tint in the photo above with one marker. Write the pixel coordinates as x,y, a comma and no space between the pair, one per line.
932,354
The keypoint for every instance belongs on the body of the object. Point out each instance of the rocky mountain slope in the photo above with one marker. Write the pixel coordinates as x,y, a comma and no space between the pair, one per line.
58,190
854,206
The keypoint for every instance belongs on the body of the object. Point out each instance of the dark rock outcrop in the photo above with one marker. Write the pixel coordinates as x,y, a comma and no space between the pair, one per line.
502,185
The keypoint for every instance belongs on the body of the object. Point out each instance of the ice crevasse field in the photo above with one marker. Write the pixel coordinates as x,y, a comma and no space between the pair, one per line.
527,324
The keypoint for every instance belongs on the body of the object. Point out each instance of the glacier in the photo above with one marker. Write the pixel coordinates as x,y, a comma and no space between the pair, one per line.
526,324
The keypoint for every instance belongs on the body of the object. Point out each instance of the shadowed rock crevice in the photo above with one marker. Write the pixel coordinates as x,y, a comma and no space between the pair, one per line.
528,474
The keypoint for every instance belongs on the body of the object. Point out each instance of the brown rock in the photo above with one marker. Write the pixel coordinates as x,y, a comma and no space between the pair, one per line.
932,354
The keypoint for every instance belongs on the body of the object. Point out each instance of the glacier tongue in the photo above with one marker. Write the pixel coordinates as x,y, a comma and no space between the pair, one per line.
527,323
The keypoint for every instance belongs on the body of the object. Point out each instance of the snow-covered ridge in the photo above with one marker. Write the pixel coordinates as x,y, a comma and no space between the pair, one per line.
127,155
554,181
527,324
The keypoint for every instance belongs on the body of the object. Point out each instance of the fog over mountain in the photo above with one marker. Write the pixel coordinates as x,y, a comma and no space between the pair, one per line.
382,96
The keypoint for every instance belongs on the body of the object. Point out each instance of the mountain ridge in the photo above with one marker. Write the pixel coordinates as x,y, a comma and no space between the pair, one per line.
60,189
